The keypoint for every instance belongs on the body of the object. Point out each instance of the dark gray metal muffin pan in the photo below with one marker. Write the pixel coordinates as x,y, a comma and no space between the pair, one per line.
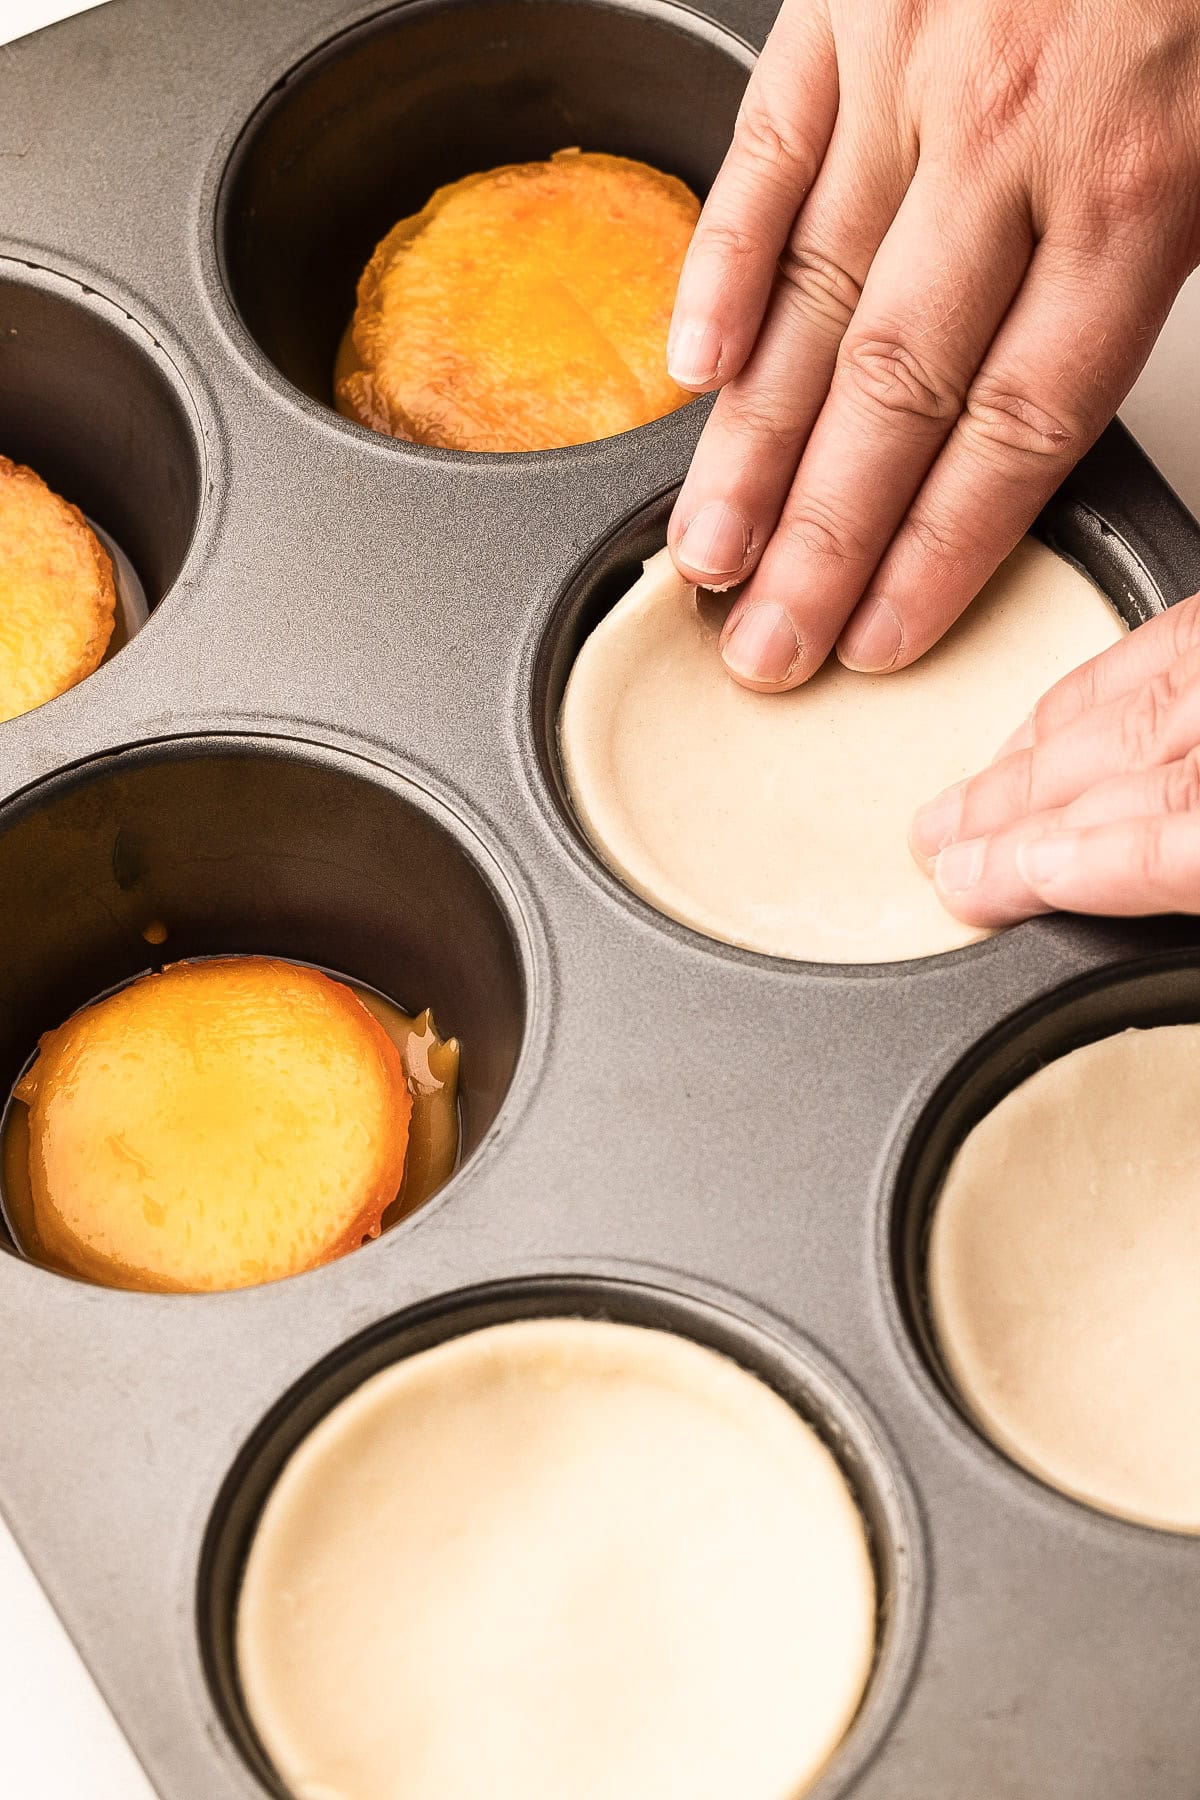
334,740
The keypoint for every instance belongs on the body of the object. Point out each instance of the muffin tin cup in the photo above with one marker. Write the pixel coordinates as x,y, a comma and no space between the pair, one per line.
1154,990
93,403
758,1343
365,129
210,846
376,636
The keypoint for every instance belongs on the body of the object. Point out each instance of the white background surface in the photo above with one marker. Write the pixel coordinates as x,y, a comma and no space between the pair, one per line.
57,1739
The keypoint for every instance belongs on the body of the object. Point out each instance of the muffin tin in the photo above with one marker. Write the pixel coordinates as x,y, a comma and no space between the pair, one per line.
334,740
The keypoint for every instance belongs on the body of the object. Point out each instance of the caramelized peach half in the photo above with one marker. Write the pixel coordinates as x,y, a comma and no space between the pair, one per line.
57,594
220,1124
523,309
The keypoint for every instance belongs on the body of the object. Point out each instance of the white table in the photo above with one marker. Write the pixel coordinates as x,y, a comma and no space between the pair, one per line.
57,1738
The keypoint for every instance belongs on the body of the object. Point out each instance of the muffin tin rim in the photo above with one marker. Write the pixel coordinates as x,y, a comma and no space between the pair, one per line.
1030,971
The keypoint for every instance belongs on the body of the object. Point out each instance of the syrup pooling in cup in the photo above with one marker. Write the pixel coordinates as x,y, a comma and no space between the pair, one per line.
226,1122
132,607
431,1067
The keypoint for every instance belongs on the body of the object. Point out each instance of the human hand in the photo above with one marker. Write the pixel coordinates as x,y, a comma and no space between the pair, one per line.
939,250
1093,805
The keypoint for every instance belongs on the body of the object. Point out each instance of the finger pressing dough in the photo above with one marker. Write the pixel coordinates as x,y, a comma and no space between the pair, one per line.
557,1558
780,821
57,595
1064,1270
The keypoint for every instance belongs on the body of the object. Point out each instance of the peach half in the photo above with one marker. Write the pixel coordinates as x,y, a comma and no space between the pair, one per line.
525,308
227,1122
57,593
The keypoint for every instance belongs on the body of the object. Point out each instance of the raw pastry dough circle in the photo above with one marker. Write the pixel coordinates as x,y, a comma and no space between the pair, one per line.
1064,1268
780,821
557,1557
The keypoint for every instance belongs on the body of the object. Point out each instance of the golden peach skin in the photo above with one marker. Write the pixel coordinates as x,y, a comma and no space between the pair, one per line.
57,594
223,1123
522,309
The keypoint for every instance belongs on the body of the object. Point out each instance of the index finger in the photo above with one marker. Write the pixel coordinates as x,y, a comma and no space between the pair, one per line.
935,291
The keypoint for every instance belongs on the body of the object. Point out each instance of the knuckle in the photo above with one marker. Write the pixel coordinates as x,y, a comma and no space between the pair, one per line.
1182,788
932,533
1143,722
762,134
757,417
889,376
1139,176
1001,420
1060,705
1020,784
943,539
817,530
724,241
1004,86
1042,712
999,795
822,291
1153,861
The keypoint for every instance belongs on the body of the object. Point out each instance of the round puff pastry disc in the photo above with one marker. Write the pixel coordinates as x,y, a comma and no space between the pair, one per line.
780,821
551,1558
1064,1270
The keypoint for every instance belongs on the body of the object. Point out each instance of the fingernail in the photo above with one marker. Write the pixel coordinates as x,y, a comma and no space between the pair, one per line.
716,541
1043,860
693,352
763,645
937,822
872,644
960,865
